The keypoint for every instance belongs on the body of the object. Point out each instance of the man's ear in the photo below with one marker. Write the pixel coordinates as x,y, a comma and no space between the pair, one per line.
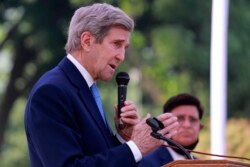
201,126
86,40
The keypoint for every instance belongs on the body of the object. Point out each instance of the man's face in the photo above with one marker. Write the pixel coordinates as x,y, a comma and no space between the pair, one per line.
105,57
189,124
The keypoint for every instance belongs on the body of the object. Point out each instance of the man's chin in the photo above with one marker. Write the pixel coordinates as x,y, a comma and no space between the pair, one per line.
106,78
184,142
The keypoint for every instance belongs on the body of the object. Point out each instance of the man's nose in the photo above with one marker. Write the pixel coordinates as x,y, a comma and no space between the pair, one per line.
186,123
121,54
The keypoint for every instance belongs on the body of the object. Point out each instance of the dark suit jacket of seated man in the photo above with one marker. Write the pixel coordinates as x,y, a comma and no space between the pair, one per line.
188,110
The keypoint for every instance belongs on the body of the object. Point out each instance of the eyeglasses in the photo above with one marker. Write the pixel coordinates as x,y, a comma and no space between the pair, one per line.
190,119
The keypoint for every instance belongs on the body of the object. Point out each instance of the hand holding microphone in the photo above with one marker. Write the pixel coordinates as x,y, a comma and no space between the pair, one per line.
135,129
129,117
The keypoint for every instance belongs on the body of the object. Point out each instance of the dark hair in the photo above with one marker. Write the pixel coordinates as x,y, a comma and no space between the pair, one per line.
183,99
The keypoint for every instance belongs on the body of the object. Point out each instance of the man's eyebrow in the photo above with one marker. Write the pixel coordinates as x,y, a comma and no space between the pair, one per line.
121,41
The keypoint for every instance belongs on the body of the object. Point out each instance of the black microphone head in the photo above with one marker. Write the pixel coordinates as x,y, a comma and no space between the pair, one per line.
155,124
122,78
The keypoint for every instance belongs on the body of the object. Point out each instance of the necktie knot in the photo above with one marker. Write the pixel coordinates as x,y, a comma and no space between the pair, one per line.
95,91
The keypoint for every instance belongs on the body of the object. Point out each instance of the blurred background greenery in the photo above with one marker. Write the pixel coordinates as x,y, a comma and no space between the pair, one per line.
169,54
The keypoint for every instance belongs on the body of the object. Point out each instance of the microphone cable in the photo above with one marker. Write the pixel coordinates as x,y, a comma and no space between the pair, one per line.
215,155
156,125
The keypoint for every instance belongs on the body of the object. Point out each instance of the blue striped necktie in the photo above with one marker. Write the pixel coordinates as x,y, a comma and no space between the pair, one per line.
95,93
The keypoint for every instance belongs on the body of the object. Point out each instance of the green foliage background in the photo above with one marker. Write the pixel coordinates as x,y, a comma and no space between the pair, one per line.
169,54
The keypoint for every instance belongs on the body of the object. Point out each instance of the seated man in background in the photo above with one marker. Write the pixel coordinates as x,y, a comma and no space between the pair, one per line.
188,110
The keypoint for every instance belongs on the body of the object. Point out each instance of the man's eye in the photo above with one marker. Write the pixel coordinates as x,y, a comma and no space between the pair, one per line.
193,120
117,44
180,119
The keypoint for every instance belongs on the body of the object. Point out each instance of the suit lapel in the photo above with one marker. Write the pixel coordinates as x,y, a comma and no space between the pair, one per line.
165,156
85,94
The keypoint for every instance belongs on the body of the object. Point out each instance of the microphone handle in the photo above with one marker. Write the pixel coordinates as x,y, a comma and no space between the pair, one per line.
122,93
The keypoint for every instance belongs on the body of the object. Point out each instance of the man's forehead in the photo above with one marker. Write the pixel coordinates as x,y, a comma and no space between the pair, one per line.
185,110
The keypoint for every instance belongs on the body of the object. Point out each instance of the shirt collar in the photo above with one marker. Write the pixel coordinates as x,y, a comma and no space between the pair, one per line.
175,155
85,74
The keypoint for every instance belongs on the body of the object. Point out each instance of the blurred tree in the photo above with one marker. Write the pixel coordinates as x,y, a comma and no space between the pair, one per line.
175,54
239,56
35,30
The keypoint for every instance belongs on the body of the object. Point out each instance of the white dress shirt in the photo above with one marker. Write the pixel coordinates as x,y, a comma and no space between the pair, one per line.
85,74
175,155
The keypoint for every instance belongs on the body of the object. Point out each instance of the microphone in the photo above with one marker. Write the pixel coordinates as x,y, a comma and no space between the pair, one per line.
156,125
122,79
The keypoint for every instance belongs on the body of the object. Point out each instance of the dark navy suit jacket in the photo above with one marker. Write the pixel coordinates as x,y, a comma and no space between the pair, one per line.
158,158
64,127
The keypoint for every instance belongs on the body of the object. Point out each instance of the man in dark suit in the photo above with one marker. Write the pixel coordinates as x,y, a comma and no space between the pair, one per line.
187,108
64,121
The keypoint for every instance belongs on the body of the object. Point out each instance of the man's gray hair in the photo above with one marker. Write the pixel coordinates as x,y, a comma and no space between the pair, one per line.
96,19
